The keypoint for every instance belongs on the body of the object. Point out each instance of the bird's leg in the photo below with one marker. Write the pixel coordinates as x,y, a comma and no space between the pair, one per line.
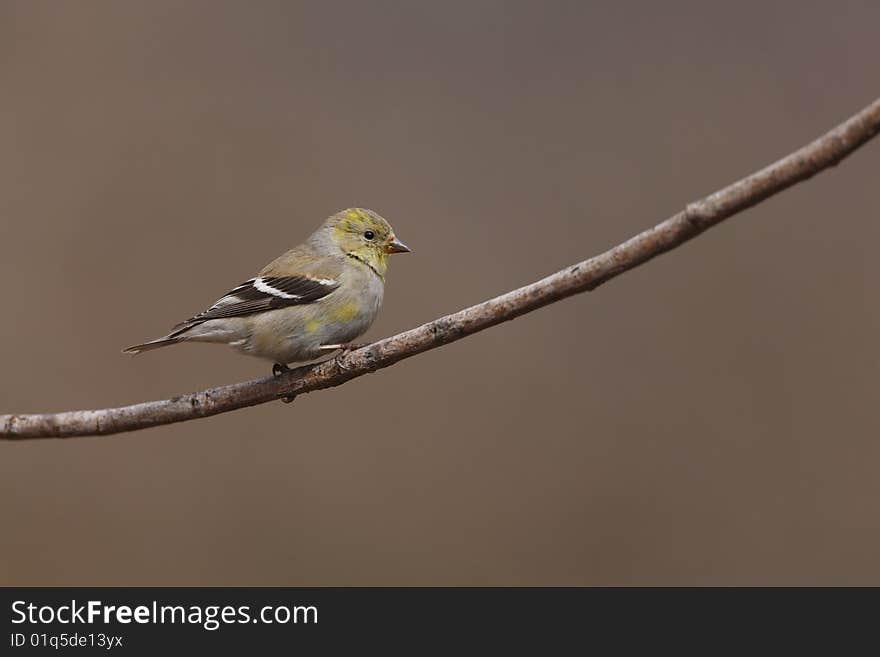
277,370
343,350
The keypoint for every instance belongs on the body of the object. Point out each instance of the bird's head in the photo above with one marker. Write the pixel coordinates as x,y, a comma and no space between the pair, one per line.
364,235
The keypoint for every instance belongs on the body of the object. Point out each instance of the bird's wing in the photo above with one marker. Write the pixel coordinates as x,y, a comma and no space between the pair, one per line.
261,294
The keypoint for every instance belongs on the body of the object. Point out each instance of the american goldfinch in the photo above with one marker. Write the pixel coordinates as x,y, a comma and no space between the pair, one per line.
314,299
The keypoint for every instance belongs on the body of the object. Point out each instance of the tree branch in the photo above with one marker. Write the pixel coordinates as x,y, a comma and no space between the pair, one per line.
824,152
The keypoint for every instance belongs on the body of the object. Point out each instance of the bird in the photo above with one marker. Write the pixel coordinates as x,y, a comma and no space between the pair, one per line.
309,302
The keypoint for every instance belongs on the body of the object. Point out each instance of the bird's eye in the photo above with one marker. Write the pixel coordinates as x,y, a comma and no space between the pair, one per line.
369,235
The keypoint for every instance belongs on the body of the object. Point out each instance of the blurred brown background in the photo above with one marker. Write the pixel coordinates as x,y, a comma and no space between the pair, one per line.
710,418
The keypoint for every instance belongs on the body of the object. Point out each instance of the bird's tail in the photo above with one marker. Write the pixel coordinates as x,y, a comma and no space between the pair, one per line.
152,344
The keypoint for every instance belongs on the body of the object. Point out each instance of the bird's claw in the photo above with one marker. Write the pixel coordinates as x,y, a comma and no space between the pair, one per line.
344,350
278,369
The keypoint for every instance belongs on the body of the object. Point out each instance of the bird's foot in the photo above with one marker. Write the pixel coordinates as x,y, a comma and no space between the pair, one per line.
344,350
277,370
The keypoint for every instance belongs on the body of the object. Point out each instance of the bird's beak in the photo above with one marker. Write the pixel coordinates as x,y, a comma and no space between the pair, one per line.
396,246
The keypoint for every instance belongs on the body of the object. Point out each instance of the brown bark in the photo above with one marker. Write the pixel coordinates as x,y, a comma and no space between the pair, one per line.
824,152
